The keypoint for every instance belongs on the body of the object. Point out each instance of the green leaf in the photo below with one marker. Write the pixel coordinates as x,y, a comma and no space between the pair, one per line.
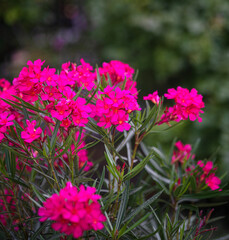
38,194
15,150
101,181
54,136
12,164
65,147
78,93
123,205
137,223
124,84
136,75
206,194
18,181
111,164
93,94
149,117
28,105
98,75
12,104
39,230
137,169
144,205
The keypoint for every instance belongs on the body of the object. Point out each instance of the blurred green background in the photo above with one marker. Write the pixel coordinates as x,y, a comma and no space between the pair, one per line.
172,43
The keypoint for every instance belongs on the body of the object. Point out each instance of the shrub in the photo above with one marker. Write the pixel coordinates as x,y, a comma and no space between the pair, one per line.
54,187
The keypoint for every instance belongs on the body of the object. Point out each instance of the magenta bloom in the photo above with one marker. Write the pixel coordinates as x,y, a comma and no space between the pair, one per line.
6,120
50,93
205,175
114,106
153,97
213,181
208,167
118,72
30,134
183,152
188,104
73,211
62,109
29,81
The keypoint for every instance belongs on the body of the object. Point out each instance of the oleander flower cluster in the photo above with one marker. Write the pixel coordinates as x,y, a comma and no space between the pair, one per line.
73,211
188,105
204,173
114,106
182,153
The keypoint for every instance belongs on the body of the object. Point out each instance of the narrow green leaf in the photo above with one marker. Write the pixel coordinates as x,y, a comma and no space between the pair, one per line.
78,93
54,136
144,205
39,230
93,94
123,205
12,104
137,223
28,105
111,163
101,181
65,147
12,164
136,75
98,75
38,194
206,194
124,84
25,112
137,169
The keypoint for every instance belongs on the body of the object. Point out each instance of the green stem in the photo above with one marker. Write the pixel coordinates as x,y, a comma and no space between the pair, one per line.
137,142
53,173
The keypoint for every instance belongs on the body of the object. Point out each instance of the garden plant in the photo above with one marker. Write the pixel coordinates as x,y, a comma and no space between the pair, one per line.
74,164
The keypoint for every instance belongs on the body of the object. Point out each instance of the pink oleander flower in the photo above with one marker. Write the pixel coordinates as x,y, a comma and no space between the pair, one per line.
118,72
81,75
153,97
29,81
6,120
50,93
2,131
183,152
73,211
200,163
188,104
62,109
122,121
48,77
80,112
30,134
66,123
85,77
113,107
208,167
213,181
205,175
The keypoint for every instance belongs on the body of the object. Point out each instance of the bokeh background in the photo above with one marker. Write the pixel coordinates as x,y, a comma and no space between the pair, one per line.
172,43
